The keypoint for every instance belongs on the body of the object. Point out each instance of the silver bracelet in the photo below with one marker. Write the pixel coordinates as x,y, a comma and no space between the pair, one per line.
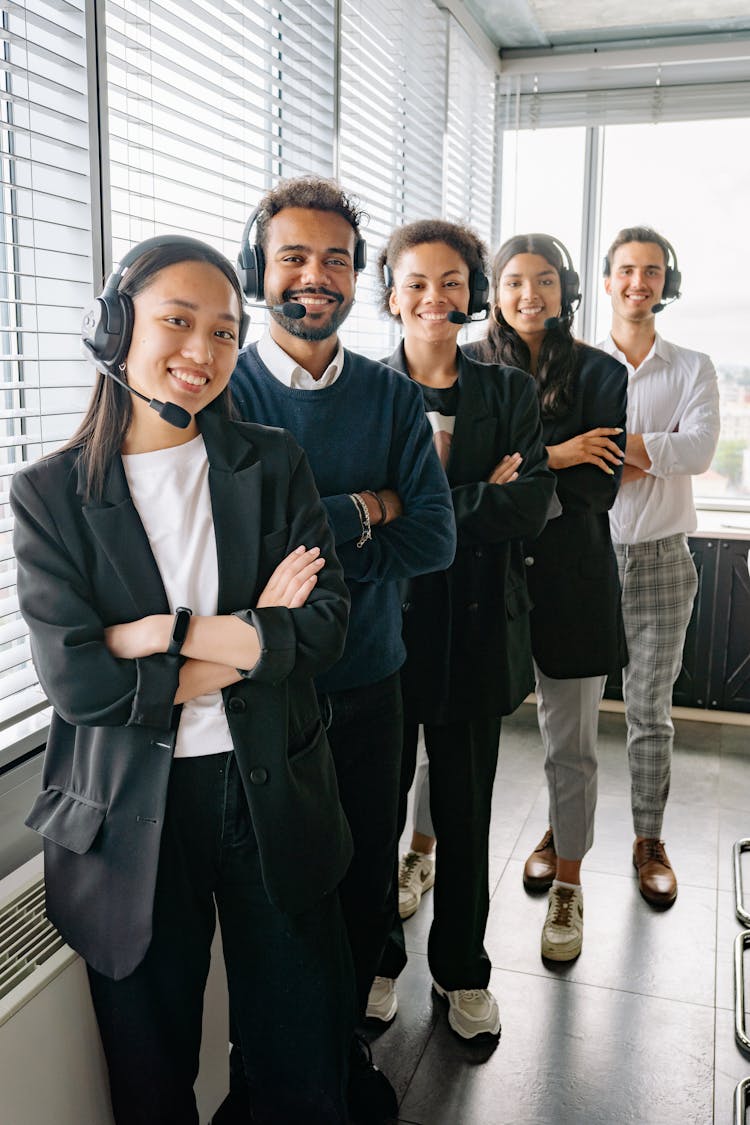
364,518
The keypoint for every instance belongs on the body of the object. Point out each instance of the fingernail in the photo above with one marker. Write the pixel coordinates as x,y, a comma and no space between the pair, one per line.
611,472
618,429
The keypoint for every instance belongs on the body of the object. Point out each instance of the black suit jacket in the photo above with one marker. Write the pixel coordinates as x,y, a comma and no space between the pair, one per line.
466,629
83,566
576,625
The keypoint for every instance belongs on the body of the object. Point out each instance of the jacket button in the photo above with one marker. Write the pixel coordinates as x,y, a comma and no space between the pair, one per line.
473,607
237,705
258,776
529,560
478,553
405,607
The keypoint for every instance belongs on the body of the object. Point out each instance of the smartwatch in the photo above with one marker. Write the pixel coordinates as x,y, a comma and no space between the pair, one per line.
179,630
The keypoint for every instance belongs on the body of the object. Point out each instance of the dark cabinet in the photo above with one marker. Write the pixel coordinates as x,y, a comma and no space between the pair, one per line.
716,659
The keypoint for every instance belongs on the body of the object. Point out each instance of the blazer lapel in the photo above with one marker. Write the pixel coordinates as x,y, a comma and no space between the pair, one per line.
234,480
475,433
116,525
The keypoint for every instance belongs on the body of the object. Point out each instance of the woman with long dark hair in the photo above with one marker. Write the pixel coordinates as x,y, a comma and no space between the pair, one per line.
466,630
171,571
576,626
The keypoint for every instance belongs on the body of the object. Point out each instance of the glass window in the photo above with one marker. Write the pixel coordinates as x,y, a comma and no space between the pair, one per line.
691,181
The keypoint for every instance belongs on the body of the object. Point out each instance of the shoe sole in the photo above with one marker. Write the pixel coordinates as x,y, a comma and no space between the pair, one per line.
386,1017
553,954
480,1035
537,886
426,886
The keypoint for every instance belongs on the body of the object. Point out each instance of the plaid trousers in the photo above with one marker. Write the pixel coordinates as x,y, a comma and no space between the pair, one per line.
659,583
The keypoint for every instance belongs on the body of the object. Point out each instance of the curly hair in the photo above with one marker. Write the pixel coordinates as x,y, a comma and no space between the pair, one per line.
636,234
556,374
313,193
460,238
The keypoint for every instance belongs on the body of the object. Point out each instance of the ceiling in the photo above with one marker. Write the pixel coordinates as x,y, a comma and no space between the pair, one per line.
538,24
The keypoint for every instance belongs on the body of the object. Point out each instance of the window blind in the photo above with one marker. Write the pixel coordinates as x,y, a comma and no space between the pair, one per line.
209,104
471,136
392,120
45,280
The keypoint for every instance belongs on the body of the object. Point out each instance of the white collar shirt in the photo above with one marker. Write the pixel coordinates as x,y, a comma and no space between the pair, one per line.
673,401
290,373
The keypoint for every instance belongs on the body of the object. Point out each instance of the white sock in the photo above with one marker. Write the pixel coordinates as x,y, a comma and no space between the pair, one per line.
567,886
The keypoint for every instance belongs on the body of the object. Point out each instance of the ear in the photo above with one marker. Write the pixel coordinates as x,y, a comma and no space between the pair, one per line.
608,284
393,302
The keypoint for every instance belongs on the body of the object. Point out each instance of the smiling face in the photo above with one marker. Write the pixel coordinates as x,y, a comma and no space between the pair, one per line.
310,259
636,280
429,281
528,293
185,339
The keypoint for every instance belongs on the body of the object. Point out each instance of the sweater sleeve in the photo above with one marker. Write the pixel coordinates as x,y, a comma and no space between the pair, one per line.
423,538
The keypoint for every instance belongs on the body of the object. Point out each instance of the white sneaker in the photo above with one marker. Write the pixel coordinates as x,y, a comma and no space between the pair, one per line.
471,1011
382,1003
416,874
562,934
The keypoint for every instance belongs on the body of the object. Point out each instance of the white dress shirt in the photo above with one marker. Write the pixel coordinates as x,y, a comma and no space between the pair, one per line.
673,401
290,373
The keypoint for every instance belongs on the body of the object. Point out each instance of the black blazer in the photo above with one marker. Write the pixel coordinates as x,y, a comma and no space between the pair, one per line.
466,629
83,566
576,625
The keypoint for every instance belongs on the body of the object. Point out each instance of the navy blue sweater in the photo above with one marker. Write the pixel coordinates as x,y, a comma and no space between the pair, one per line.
366,430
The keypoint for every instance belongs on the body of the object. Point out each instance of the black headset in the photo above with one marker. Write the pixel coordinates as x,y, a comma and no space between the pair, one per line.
570,282
479,289
251,261
672,275
107,326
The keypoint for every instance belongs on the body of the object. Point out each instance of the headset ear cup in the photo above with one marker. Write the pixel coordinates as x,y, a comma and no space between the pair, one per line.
108,327
672,283
570,284
121,340
360,255
479,289
251,266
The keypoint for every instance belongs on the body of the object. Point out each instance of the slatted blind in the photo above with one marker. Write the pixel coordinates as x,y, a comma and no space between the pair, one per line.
392,121
45,280
471,136
209,103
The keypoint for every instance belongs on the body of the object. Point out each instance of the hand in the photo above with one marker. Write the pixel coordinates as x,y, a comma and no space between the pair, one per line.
135,639
293,579
506,470
393,506
592,448
632,472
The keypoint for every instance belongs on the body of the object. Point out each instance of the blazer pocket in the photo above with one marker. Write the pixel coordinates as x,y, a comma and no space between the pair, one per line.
67,819
517,601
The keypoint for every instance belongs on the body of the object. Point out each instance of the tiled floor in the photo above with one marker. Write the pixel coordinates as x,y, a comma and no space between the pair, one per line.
640,1029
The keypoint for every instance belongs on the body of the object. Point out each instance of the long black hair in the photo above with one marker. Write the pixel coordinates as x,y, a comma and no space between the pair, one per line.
102,431
557,364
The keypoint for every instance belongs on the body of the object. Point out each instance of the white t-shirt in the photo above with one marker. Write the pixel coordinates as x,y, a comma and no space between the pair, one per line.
170,492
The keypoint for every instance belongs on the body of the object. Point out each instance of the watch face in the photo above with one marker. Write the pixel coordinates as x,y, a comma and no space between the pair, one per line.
179,629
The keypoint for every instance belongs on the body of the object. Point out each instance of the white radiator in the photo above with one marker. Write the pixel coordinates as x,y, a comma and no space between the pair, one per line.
52,1069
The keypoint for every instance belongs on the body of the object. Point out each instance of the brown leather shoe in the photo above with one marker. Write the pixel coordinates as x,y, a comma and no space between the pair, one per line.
541,866
656,879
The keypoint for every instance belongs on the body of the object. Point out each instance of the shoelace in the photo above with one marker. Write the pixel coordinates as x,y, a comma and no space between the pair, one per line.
655,851
563,906
547,841
409,863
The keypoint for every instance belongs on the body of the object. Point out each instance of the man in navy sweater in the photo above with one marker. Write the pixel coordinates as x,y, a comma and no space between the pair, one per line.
370,447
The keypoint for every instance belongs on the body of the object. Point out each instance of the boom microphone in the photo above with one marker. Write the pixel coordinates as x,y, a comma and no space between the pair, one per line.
456,317
169,411
294,310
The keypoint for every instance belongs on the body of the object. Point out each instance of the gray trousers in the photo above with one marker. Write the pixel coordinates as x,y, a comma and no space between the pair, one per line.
568,713
659,583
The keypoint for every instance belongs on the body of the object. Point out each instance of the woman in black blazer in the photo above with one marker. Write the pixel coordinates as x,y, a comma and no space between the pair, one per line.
466,628
187,769
576,626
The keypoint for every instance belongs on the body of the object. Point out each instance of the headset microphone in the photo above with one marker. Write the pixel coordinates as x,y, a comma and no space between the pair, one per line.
456,317
553,322
294,310
169,411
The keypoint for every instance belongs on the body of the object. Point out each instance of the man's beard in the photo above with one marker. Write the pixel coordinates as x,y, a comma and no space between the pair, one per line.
305,331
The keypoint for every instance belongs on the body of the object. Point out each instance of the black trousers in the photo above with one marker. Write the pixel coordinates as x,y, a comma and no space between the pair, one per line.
365,733
290,981
463,761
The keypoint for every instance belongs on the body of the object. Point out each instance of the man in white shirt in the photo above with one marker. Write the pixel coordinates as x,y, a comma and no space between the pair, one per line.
673,428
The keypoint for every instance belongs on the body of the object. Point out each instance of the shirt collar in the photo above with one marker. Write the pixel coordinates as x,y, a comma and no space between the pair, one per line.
660,348
289,372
